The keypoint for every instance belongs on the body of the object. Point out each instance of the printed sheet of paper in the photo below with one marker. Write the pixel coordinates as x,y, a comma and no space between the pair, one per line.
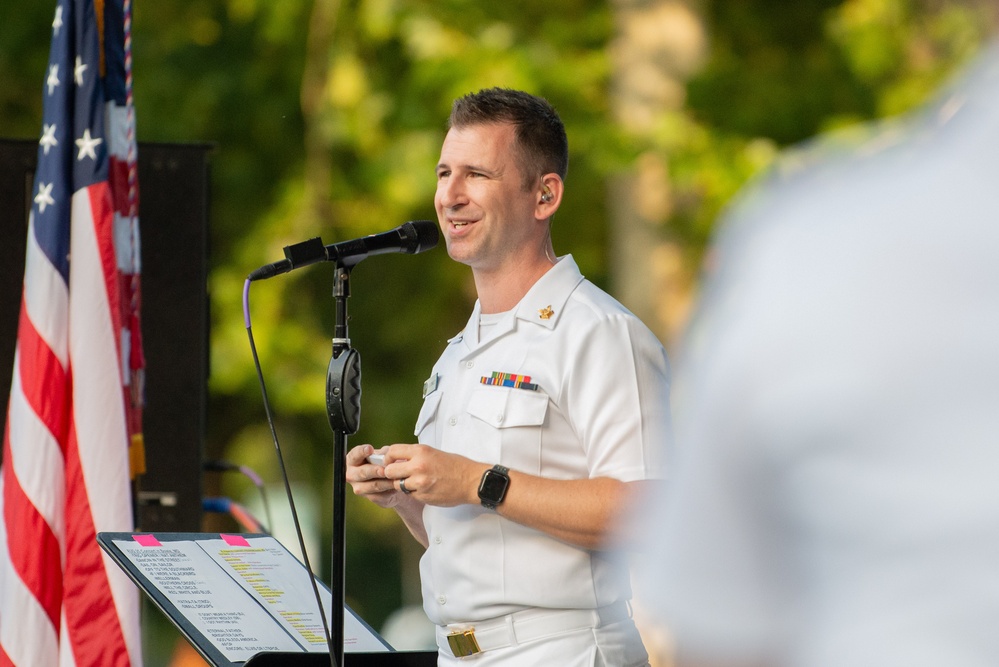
272,576
277,581
213,603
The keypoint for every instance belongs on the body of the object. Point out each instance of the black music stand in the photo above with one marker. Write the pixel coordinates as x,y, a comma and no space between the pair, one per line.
188,571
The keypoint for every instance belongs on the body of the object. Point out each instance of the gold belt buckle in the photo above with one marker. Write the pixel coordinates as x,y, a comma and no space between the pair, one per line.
463,643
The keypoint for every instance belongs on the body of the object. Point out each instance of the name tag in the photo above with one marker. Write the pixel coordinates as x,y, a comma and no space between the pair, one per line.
430,386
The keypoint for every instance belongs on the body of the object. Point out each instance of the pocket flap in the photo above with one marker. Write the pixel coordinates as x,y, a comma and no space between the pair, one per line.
503,407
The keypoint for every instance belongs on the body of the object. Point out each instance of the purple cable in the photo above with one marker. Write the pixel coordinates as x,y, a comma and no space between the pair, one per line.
254,477
246,303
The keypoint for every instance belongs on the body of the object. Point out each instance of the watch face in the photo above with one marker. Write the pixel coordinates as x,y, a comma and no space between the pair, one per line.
493,486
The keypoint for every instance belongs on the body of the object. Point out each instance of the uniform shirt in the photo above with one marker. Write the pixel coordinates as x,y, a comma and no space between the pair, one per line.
593,401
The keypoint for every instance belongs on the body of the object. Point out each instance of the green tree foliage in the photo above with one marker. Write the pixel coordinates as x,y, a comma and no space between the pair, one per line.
780,73
327,118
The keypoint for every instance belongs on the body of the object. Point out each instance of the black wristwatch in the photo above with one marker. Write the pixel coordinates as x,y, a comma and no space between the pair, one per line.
493,487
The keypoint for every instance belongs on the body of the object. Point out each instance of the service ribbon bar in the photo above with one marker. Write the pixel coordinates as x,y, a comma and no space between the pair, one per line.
509,380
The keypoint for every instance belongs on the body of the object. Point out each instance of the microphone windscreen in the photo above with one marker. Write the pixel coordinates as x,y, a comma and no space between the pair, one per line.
426,235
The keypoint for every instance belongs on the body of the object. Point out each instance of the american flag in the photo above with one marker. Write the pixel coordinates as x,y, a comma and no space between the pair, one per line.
73,412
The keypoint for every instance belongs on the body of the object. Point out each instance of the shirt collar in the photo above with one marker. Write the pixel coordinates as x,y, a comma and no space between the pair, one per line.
542,305
545,302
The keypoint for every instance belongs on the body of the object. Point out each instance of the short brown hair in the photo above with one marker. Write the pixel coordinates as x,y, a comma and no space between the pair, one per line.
541,139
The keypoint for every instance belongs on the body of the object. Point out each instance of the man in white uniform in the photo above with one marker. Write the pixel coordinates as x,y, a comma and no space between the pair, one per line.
836,496
541,420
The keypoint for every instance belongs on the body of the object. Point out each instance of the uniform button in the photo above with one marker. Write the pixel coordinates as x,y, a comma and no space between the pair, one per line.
499,418
452,421
438,540
442,599
469,364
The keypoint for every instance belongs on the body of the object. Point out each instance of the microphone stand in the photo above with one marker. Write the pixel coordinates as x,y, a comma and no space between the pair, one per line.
343,390
343,406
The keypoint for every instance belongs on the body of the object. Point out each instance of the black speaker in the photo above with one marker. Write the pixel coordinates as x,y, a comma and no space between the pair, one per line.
173,221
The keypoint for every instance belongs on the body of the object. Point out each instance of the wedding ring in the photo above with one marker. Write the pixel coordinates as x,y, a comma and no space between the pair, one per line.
402,487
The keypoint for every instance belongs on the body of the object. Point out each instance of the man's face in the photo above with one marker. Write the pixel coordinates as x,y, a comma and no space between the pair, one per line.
486,215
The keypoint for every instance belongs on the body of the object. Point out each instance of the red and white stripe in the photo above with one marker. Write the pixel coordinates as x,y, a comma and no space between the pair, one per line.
65,472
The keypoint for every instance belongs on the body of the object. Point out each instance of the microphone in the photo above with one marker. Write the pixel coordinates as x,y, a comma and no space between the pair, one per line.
409,238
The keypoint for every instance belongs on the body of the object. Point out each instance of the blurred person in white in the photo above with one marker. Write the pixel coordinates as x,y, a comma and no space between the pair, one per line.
836,495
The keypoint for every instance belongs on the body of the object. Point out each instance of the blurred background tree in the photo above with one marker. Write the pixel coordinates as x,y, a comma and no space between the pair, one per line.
327,118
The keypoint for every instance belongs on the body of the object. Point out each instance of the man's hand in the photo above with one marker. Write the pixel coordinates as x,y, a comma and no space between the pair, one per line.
368,480
371,481
434,477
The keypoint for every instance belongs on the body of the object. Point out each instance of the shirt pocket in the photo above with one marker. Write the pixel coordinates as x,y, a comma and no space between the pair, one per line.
506,426
503,407
427,416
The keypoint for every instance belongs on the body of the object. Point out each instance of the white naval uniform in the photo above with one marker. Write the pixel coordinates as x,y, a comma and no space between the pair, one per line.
599,407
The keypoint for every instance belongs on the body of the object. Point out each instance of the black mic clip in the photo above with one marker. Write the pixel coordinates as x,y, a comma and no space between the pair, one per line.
296,255
305,253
